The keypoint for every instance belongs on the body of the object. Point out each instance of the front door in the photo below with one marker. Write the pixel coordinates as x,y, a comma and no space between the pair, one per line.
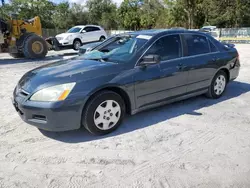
156,83
87,35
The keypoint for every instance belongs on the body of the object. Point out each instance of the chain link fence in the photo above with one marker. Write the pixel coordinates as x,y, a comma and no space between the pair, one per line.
52,32
233,34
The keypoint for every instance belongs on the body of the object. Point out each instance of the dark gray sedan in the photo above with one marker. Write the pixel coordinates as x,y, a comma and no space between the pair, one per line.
125,74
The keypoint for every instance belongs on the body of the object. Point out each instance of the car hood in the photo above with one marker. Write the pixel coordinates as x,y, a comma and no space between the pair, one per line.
63,35
66,71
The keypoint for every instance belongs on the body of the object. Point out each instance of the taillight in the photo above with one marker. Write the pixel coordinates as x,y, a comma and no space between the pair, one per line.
237,62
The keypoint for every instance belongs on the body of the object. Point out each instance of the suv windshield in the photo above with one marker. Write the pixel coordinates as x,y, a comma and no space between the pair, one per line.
118,49
74,30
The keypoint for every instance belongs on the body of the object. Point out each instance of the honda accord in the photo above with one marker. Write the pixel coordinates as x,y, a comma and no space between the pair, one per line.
127,73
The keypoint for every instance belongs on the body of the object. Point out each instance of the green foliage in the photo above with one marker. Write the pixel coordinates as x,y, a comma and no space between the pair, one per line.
134,14
129,14
102,12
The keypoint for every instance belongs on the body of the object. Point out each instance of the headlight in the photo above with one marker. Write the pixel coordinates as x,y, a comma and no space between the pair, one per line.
54,93
69,37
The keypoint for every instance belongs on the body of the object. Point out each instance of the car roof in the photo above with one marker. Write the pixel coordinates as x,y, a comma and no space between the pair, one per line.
82,26
154,32
209,26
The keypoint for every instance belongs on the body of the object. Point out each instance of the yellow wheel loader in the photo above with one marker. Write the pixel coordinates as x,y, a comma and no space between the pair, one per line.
23,38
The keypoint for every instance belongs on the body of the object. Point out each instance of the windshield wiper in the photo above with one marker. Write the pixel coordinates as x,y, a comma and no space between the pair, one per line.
99,59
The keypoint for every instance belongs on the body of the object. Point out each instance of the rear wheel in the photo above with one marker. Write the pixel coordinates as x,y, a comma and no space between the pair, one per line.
103,113
102,38
218,85
17,55
35,47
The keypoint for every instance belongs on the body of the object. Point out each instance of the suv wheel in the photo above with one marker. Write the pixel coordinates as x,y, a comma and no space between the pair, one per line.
102,38
77,44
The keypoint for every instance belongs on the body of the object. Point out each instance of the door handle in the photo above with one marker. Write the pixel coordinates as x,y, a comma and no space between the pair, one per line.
181,66
215,59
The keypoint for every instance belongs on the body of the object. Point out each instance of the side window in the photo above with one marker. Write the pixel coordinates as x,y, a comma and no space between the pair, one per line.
196,44
167,48
88,29
213,48
95,29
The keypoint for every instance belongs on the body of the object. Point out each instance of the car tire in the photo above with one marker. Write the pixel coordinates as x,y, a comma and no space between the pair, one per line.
35,47
102,38
218,85
17,55
77,44
103,113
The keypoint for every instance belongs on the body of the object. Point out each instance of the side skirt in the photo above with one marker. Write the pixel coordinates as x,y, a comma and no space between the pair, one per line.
168,101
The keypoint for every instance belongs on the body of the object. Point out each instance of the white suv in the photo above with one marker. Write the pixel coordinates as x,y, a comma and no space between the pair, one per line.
78,35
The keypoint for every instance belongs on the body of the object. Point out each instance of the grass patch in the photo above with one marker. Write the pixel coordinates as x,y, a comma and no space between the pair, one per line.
235,39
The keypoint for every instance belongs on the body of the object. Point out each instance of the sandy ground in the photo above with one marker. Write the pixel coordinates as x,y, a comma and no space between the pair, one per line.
197,143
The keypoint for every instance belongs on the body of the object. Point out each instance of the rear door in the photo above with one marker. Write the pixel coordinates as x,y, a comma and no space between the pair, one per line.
200,61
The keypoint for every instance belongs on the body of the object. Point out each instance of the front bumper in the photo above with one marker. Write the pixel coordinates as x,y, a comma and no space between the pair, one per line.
65,43
50,116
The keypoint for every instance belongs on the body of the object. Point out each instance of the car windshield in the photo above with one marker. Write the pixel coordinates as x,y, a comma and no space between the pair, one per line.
118,49
74,30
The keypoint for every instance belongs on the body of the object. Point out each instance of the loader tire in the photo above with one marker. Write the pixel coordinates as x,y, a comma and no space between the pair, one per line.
35,47
17,55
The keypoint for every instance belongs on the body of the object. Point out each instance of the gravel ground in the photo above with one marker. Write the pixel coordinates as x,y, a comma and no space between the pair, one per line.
196,143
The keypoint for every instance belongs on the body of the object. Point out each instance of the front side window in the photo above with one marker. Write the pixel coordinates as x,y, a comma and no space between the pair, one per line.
118,49
196,44
168,47
88,29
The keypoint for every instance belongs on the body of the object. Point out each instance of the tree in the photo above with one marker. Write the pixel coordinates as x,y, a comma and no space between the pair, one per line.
129,14
77,15
60,18
102,12
149,13
27,9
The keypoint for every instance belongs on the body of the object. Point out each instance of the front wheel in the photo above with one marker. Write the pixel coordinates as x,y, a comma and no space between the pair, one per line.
218,85
103,113
35,47
77,44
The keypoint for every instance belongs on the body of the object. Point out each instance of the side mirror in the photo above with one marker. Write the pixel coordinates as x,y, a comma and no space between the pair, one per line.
150,60
83,31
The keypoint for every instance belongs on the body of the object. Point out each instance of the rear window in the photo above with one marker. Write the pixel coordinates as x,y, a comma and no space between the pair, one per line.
213,48
196,44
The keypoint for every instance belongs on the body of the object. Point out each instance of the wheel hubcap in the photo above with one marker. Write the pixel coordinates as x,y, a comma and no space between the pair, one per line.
77,45
107,114
219,85
37,47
